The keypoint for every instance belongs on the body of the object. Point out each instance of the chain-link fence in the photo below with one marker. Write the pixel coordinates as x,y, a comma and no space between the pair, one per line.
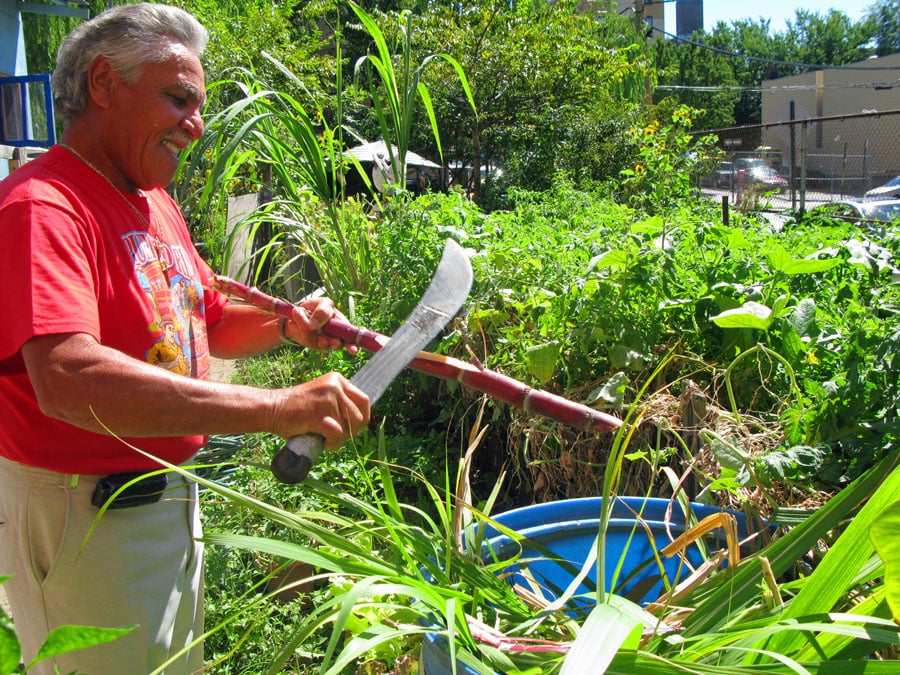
838,157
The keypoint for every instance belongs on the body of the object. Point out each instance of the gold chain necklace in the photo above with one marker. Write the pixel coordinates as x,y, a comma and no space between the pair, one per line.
111,184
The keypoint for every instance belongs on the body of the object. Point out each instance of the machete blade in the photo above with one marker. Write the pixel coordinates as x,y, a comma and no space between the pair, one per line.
446,293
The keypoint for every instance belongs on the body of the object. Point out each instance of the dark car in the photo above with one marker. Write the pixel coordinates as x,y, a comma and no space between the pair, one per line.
864,210
886,191
721,176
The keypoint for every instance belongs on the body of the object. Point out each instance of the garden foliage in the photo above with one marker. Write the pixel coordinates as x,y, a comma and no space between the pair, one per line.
752,367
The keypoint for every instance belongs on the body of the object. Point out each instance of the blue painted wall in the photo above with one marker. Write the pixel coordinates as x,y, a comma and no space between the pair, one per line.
12,41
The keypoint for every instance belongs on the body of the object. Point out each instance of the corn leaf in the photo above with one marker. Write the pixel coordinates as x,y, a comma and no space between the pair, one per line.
885,535
739,585
835,575
605,632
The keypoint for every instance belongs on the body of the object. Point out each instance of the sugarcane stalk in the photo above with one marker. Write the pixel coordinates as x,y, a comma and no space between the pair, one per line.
474,376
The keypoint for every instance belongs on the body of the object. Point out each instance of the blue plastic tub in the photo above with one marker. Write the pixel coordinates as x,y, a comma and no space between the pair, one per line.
560,537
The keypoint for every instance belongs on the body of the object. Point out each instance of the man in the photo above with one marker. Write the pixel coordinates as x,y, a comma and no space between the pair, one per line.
103,294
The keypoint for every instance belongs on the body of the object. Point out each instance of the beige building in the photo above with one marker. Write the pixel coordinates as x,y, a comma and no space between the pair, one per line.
652,12
867,145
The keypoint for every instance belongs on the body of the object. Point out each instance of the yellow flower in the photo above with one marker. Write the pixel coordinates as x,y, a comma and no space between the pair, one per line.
681,114
639,170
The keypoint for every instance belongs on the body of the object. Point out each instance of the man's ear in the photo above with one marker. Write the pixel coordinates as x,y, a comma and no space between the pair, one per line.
102,82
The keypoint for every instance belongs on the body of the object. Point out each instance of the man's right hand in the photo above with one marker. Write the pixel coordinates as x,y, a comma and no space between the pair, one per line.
330,406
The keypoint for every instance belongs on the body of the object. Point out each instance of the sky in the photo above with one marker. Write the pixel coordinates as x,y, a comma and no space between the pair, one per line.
779,11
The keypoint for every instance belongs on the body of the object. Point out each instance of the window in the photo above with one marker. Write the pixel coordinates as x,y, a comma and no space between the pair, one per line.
26,111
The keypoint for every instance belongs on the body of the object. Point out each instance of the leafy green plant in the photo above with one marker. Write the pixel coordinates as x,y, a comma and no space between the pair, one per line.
618,306
742,619
393,571
396,90
668,161
271,132
266,128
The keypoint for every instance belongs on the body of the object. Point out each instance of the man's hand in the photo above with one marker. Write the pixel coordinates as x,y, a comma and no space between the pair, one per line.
309,317
329,406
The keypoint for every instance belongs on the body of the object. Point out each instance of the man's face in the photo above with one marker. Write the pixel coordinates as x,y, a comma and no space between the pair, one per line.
154,119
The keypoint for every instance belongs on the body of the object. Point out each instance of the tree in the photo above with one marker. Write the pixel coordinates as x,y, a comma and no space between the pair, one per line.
542,77
752,53
695,65
830,40
45,32
885,15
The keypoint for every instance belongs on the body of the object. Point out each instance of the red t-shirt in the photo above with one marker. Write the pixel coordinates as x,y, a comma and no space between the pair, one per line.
75,257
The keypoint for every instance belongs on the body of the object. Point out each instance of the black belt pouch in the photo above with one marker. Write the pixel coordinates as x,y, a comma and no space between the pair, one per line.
147,490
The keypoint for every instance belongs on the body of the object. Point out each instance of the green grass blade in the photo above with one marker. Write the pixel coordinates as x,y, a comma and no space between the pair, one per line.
833,578
603,634
885,535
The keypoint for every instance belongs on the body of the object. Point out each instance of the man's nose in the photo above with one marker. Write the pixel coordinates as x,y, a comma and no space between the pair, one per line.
193,125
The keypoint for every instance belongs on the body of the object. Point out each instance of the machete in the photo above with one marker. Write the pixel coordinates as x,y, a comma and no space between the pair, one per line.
447,292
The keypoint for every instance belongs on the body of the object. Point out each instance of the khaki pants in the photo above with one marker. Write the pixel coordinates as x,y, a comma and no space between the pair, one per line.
140,566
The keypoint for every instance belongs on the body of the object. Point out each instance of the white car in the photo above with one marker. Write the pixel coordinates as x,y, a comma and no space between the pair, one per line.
863,211
889,189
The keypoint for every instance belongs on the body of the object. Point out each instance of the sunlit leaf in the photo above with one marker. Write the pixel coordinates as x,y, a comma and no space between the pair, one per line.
617,258
885,535
749,315
836,574
782,261
10,649
65,639
604,633
778,307
542,360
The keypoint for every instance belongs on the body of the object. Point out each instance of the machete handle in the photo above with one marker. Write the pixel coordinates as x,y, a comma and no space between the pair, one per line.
296,458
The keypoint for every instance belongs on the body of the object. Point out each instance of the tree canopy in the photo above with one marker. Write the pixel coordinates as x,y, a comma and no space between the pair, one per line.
556,85
731,62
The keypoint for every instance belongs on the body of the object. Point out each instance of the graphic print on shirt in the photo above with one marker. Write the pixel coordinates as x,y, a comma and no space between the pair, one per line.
167,276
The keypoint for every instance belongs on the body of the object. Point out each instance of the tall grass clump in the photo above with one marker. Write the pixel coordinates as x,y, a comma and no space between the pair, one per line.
301,155
382,572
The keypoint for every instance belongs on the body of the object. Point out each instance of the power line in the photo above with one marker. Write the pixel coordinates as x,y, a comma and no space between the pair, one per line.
762,59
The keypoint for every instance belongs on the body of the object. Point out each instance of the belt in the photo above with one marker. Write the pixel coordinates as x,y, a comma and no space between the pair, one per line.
146,490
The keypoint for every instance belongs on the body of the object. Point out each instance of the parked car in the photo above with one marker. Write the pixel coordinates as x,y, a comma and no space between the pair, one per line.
746,163
889,189
743,173
864,210
721,176
765,175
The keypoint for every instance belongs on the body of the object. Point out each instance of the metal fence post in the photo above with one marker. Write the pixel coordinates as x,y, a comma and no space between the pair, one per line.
804,129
